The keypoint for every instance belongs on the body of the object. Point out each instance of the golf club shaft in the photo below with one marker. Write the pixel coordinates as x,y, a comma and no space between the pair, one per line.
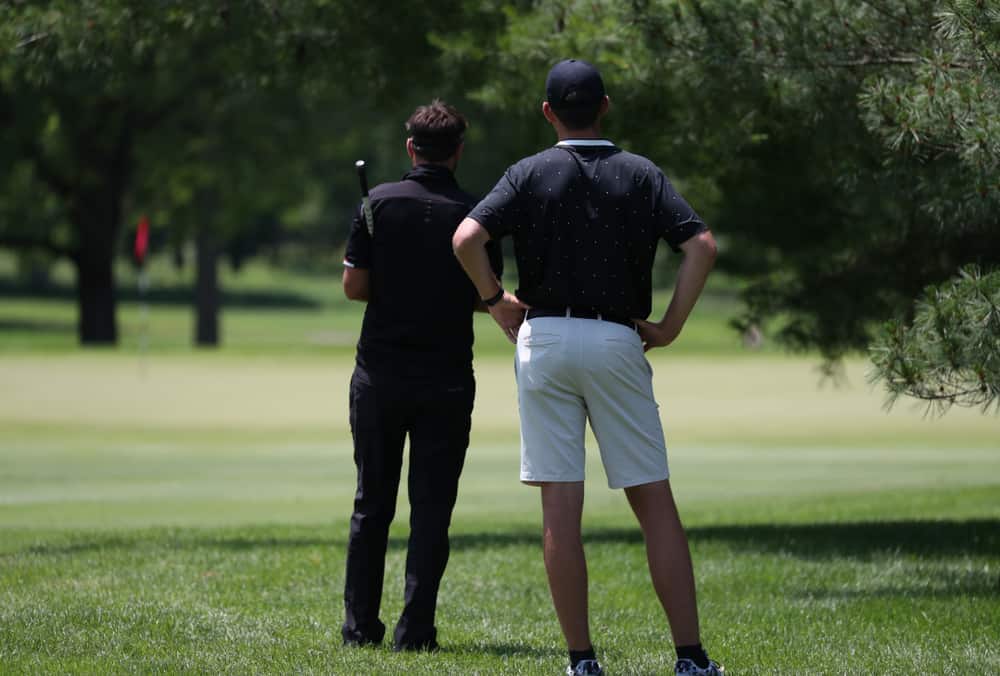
366,207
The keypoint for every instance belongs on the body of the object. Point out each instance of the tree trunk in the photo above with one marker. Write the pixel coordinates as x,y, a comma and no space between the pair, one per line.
207,290
96,299
97,219
95,210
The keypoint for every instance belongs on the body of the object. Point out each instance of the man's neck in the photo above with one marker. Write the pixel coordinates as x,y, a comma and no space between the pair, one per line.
449,164
567,134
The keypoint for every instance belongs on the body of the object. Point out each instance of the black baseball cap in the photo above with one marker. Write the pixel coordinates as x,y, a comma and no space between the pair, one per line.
573,83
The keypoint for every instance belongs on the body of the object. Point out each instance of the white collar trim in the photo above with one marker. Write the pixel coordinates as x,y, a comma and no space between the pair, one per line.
585,142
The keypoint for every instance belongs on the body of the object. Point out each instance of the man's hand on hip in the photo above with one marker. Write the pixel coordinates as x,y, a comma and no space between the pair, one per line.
508,313
699,257
655,334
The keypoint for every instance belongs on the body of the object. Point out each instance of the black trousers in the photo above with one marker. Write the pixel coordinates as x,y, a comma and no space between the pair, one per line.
437,417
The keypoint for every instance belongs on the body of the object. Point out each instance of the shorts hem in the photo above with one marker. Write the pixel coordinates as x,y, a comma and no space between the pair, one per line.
551,480
629,483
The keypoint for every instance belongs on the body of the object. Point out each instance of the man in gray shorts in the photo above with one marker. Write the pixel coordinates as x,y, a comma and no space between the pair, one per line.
586,217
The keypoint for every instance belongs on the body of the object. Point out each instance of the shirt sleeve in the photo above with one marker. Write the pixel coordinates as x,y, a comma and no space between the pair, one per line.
674,217
498,211
358,253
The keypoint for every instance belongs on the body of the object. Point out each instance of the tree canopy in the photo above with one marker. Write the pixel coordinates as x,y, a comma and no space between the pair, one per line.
107,101
845,152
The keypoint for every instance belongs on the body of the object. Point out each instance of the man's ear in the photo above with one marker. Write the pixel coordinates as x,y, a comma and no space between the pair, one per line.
605,107
548,112
410,151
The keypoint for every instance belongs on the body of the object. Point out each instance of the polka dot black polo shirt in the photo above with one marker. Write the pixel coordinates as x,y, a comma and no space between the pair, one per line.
586,218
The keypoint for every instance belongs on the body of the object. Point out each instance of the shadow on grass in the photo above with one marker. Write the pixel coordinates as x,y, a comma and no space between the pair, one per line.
862,540
865,539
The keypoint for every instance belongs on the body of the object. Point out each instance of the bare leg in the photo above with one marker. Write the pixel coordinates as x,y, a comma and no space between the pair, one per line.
668,556
565,564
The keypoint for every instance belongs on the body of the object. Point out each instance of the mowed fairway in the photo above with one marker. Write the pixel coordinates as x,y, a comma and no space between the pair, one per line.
189,513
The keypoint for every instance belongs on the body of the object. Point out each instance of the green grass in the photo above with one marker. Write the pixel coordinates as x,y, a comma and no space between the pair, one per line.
191,516
270,311
183,511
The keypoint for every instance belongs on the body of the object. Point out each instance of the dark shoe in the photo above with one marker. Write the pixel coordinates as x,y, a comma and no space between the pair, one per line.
360,642
687,667
585,668
425,646
358,638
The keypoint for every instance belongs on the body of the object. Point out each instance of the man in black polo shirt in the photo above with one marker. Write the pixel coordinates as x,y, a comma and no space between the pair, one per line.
586,217
413,377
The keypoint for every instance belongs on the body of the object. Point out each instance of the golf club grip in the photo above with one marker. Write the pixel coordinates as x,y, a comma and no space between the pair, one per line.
366,206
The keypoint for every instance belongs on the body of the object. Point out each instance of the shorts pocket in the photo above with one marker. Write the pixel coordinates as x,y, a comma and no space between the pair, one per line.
540,339
621,342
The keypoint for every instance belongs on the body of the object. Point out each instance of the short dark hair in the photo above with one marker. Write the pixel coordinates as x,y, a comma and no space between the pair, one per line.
578,116
437,130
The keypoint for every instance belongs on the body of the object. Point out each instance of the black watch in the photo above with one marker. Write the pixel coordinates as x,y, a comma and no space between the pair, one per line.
493,300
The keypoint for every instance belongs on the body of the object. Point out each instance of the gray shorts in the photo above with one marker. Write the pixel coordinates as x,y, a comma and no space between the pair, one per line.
569,370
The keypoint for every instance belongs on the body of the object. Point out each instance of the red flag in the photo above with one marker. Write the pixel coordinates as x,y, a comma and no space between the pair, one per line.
142,240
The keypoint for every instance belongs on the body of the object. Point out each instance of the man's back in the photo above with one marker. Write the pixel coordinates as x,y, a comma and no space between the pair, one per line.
586,219
403,333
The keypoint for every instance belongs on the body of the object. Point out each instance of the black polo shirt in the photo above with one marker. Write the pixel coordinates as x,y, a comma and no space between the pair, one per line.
418,322
586,218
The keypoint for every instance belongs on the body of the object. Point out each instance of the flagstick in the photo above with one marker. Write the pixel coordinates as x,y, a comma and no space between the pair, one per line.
143,319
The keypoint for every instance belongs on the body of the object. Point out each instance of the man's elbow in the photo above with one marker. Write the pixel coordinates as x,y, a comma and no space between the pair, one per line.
706,247
355,284
466,235
355,292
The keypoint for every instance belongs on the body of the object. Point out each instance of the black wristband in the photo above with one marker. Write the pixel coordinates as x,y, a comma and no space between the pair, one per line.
493,300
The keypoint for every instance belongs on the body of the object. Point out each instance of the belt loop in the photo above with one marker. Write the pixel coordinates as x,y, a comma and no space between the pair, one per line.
599,316
569,312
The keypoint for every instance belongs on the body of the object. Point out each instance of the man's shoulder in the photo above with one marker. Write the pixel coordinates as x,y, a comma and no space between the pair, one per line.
393,189
640,164
524,167
417,190
541,157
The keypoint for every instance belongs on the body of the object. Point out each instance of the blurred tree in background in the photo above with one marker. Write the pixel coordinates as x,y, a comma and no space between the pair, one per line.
182,103
844,151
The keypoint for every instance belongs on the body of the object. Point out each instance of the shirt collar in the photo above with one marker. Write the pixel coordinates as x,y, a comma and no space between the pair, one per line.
585,142
430,173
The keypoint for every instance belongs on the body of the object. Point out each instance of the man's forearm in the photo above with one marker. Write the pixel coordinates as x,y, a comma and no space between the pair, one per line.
469,244
699,258
357,284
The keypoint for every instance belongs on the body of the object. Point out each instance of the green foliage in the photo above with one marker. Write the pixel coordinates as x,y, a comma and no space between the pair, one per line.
950,352
211,117
845,153
943,107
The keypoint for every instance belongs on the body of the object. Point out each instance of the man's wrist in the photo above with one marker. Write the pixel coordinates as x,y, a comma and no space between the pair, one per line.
494,299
